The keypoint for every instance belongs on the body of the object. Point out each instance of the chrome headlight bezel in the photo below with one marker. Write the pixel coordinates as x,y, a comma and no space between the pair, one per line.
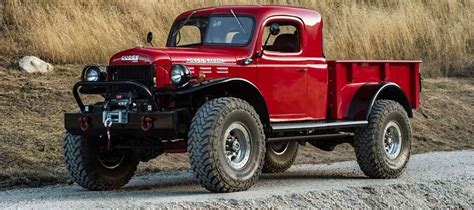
179,75
93,74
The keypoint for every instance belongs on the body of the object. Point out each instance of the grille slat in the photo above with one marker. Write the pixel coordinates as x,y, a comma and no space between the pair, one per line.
139,73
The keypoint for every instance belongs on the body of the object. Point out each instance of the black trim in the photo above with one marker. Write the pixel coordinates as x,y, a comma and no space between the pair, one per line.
136,86
223,87
170,123
192,88
362,100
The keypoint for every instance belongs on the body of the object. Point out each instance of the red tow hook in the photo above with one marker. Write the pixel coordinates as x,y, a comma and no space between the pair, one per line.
84,121
147,123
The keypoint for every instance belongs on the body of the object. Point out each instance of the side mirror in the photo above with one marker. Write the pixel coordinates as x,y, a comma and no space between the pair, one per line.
149,38
274,29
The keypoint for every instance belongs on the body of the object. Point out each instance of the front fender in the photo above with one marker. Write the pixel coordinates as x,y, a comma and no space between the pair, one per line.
226,87
202,86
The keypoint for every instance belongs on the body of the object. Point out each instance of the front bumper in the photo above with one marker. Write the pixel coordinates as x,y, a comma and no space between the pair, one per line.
165,124
159,124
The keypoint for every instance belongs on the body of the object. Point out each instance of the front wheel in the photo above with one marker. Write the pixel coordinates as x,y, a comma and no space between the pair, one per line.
93,167
383,147
226,145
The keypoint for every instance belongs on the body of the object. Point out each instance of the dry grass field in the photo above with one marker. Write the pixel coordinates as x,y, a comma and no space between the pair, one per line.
89,31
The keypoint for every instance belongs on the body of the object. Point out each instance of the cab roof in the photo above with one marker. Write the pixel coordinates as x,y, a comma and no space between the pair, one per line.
260,12
312,36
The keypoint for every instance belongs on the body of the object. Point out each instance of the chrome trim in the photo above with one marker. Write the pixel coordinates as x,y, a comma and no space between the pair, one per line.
302,126
335,136
385,85
119,116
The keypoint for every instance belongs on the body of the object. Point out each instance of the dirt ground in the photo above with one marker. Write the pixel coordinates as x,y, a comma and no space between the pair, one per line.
31,126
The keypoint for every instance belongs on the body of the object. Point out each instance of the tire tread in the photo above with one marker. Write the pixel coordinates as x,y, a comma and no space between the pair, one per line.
369,158
271,166
81,169
203,163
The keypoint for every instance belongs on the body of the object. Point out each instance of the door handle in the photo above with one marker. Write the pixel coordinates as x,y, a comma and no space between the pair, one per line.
303,70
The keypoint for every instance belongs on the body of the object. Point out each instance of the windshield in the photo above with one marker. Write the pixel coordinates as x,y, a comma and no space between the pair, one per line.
212,30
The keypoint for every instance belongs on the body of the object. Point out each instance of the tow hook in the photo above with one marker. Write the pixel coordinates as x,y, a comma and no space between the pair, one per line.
107,124
84,121
147,123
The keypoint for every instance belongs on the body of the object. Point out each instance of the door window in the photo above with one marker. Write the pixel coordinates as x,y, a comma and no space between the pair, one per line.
287,41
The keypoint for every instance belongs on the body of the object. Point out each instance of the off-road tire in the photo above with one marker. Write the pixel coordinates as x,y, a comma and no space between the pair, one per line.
81,157
279,162
206,135
369,141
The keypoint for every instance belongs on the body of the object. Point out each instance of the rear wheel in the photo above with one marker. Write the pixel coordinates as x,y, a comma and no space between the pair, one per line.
226,145
93,167
279,156
383,147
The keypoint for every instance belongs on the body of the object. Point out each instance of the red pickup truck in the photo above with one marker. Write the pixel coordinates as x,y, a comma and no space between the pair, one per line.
239,88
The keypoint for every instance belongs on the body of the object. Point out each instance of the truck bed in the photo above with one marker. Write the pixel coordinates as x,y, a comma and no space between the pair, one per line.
346,77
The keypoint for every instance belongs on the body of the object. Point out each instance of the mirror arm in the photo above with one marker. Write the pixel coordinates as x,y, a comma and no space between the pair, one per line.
266,40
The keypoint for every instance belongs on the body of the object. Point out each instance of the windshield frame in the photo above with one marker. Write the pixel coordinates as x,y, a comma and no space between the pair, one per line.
176,24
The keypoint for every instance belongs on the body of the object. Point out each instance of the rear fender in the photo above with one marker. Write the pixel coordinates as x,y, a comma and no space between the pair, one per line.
364,99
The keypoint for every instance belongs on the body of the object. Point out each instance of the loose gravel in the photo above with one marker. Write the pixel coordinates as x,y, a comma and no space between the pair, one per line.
442,179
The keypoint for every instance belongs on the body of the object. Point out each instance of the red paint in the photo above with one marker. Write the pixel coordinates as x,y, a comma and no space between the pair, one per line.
296,86
348,76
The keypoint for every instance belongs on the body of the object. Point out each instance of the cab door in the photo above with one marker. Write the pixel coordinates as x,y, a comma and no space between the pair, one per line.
281,72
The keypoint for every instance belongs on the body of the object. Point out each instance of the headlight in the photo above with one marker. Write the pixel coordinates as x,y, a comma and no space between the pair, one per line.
179,75
93,74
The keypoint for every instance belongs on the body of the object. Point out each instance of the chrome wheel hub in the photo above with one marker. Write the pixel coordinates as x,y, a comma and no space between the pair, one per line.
237,145
392,140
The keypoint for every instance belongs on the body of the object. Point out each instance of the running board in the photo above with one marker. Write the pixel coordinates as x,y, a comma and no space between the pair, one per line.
329,137
317,125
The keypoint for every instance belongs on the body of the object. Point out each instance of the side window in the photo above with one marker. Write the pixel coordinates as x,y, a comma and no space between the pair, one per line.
288,40
188,35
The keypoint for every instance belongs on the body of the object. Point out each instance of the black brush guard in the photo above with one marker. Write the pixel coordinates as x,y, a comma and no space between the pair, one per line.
112,84
166,124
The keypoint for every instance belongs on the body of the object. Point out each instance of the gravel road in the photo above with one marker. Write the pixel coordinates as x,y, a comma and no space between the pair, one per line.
442,179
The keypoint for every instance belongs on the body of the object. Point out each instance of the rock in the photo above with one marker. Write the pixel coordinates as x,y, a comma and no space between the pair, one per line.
32,64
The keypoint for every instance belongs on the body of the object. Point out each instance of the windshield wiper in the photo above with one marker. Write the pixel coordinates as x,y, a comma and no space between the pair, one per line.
238,21
184,23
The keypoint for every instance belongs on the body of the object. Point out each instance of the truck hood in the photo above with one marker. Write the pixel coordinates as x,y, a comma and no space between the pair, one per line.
196,59
191,56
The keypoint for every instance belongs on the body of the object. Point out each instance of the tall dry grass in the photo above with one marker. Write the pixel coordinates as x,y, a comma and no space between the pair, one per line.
89,31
